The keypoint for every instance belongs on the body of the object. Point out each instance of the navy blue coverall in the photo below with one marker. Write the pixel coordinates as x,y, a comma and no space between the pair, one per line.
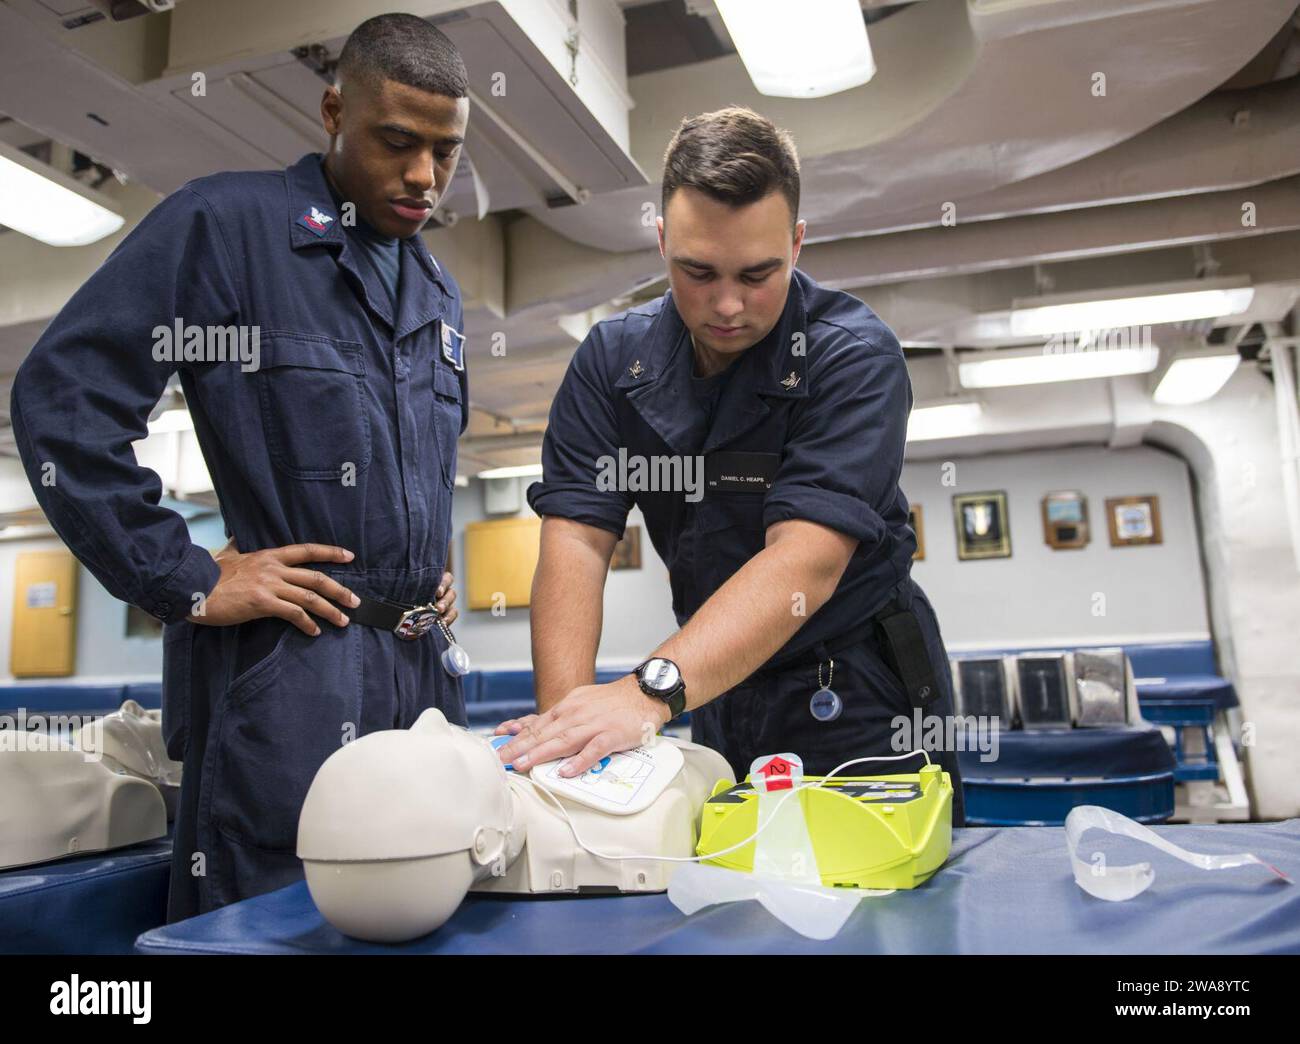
825,415
345,434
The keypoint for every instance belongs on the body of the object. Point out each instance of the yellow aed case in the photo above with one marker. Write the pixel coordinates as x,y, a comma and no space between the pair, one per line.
866,831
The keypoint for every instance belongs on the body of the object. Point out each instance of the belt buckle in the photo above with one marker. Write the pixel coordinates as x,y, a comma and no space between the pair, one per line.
416,623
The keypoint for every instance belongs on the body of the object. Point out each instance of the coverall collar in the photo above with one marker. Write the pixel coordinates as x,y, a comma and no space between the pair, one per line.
314,222
659,386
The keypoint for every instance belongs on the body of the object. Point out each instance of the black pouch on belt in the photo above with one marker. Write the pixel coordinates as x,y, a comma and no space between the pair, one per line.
905,651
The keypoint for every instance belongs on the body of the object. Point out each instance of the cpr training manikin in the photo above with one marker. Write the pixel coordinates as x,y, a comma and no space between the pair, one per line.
399,826
72,788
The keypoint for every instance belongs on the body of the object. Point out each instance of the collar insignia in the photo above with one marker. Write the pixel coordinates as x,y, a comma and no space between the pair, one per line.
315,220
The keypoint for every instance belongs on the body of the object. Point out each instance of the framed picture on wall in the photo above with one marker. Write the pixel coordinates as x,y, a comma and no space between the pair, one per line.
1134,520
983,525
1065,520
916,519
627,552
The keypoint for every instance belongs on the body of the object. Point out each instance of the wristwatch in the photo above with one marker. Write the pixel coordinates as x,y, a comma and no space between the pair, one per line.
662,680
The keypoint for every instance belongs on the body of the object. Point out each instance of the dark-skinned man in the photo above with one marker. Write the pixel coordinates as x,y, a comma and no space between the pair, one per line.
801,629
333,458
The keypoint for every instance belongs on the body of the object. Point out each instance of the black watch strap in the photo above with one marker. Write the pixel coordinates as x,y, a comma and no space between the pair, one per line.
675,698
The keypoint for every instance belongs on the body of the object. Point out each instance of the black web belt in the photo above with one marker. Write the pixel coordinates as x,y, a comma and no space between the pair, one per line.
406,621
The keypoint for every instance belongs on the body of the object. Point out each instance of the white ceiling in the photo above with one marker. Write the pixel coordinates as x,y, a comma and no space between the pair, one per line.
985,104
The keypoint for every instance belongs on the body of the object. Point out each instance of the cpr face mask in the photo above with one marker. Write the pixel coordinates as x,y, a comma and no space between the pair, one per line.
1118,883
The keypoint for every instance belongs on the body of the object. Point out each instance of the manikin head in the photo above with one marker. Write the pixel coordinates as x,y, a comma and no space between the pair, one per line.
398,825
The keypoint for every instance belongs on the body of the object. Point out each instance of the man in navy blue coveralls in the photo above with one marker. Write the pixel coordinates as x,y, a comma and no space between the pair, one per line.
333,458
796,399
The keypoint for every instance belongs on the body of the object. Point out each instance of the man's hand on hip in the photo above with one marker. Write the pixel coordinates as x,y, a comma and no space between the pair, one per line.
273,583
445,600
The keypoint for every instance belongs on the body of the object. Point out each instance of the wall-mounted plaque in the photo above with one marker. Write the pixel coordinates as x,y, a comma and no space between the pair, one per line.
1133,520
1065,520
983,528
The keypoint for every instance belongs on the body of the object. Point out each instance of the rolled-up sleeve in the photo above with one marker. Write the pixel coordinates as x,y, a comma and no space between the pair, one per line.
84,395
844,455
580,449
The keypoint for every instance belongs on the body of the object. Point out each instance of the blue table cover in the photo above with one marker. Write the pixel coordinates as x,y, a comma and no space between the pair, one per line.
1003,890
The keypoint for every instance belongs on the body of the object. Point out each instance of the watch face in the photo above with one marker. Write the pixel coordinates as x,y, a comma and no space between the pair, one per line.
661,675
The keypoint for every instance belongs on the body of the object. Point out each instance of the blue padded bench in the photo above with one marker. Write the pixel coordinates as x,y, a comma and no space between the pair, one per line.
1043,802
1040,775
1196,759
61,698
1178,685
488,714
94,903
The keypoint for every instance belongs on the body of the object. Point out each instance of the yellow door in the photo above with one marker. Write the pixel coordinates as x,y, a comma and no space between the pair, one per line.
45,618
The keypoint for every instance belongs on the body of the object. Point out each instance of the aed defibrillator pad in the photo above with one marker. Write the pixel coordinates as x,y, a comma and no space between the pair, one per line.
739,472
619,784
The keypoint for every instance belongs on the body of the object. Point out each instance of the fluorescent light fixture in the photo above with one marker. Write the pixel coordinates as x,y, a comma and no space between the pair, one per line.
462,481
46,204
1131,306
805,50
172,420
1002,368
516,471
1194,377
947,420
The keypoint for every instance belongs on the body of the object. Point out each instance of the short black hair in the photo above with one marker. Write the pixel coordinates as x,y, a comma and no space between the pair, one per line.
735,156
406,49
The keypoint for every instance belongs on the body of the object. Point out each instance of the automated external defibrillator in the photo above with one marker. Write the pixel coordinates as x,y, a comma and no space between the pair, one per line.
865,831
399,826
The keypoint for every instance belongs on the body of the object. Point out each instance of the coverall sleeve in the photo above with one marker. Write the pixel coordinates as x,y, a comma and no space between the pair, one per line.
844,456
85,392
580,449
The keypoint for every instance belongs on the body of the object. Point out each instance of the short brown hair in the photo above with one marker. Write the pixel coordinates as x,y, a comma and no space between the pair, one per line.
733,155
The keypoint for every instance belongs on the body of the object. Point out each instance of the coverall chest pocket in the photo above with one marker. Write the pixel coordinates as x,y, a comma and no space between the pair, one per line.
446,419
313,405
